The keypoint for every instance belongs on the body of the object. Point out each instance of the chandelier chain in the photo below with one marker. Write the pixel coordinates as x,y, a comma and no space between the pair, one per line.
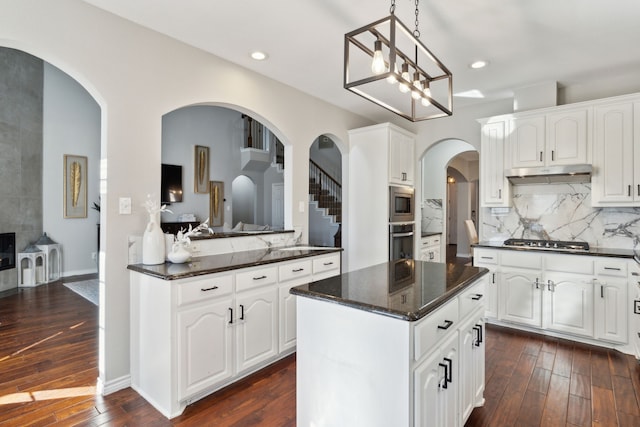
416,32
392,9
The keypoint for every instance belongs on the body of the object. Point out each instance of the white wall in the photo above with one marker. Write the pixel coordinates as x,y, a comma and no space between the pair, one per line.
71,125
136,76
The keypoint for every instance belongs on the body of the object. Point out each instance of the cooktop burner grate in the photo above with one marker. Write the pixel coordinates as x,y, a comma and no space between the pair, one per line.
547,244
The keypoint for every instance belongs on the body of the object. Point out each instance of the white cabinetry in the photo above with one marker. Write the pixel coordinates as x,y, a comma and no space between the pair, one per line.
401,158
430,248
568,303
494,187
558,138
488,259
611,302
193,336
616,160
379,155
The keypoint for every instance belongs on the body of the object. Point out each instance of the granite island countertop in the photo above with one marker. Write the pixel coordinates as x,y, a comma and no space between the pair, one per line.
593,251
228,261
373,288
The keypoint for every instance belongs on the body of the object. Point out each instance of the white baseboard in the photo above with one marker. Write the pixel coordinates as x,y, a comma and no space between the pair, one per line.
114,385
79,272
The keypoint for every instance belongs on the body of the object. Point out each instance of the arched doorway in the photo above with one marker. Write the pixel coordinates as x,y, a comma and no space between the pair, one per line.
325,193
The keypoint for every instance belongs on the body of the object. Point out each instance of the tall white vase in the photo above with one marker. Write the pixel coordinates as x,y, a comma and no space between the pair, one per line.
153,243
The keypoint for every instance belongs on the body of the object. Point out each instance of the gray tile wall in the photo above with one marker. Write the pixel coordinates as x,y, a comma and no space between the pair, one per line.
21,80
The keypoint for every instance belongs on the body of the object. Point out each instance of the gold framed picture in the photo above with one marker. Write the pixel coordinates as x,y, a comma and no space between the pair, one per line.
75,186
201,170
216,204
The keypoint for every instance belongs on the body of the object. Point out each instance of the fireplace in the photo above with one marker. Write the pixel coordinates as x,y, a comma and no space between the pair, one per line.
7,251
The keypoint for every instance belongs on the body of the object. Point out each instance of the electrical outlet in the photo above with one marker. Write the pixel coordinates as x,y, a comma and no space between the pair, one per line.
94,255
125,206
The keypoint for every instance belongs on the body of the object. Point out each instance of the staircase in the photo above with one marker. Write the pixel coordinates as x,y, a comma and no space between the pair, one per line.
325,195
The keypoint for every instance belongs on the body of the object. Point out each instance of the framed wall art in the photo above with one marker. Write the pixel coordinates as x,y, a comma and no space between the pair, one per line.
216,204
201,170
75,186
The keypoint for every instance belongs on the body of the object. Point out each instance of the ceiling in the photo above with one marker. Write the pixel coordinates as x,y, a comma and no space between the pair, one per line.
573,42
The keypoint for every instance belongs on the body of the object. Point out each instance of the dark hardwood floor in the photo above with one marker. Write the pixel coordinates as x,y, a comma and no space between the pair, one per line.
48,371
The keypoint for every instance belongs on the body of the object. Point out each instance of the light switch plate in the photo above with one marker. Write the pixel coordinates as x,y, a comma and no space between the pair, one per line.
125,206
301,207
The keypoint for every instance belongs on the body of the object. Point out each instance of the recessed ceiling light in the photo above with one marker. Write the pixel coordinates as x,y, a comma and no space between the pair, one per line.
258,55
478,64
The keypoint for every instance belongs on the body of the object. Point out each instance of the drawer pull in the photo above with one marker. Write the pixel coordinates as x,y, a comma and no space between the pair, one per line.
478,341
477,297
486,257
446,375
328,263
450,363
259,277
493,280
612,268
213,288
241,312
447,325
231,317
297,270
636,308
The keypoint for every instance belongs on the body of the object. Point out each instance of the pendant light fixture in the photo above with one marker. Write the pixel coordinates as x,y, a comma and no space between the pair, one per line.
424,85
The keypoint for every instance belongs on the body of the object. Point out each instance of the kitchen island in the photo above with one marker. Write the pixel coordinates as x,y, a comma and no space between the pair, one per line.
399,343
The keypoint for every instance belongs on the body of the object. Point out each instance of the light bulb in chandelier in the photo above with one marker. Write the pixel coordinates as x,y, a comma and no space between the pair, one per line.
404,86
416,90
377,64
426,91
393,77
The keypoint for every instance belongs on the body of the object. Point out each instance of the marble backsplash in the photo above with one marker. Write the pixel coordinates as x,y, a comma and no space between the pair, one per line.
432,216
561,212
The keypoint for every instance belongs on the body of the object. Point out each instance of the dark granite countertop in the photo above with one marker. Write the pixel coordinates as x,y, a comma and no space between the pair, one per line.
593,251
226,234
373,288
225,262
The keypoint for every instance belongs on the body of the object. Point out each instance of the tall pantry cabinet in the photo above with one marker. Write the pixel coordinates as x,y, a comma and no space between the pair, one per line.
379,156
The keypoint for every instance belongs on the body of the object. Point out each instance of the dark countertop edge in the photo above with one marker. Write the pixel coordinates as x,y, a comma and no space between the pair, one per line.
597,251
406,316
142,268
227,234
430,233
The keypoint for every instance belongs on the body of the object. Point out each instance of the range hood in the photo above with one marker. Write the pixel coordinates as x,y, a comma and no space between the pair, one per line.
565,174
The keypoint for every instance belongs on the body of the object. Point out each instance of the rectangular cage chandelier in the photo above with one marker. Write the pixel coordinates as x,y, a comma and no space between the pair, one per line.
385,63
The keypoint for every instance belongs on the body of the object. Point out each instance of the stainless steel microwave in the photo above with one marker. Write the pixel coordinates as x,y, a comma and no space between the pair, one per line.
401,204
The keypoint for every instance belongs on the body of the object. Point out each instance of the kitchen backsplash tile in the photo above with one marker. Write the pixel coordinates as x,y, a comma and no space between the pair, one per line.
561,212
432,216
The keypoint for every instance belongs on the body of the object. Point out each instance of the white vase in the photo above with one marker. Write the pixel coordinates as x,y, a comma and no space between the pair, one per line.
153,243
179,253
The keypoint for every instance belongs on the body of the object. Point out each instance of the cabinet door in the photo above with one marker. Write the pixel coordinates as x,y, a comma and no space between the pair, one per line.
467,368
256,319
526,142
205,347
568,303
567,138
494,187
435,397
491,290
401,158
613,177
287,313
521,297
611,310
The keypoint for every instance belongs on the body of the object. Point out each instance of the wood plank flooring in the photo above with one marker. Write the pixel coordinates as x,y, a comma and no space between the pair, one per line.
48,371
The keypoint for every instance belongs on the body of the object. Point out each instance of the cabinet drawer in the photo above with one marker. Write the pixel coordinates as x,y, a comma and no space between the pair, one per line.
484,256
434,328
295,269
521,260
577,264
197,290
473,298
249,279
327,263
611,268
430,240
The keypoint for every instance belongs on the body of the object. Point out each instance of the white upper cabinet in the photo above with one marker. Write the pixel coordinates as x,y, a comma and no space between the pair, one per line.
559,138
567,137
526,142
494,187
616,181
401,158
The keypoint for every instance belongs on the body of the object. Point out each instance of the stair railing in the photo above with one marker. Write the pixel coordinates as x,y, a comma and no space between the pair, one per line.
327,184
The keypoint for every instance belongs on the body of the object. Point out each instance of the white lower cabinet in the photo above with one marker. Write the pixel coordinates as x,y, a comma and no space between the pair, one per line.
520,297
193,336
436,387
430,248
205,339
472,356
256,324
568,303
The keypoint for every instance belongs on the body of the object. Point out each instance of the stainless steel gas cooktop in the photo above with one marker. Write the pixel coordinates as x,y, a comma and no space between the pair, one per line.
547,244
